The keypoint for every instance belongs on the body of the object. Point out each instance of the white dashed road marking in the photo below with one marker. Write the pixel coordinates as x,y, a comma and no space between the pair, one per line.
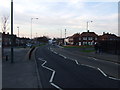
87,65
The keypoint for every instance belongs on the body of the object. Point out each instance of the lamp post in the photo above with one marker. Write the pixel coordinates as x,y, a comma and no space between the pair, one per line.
18,36
87,25
31,26
18,31
65,38
12,56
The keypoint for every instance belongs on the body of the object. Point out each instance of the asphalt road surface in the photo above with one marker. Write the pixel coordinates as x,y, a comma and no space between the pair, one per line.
57,71
110,68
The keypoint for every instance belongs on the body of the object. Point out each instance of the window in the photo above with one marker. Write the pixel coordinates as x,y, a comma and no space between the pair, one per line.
79,43
84,43
95,38
90,43
84,38
90,38
79,38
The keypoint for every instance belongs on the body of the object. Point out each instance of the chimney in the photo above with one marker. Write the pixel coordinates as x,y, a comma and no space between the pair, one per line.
8,33
103,33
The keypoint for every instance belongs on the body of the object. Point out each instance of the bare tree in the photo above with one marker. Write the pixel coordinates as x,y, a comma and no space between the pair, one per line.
5,23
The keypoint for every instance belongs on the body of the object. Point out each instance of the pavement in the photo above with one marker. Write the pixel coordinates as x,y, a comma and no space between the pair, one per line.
21,73
58,71
101,56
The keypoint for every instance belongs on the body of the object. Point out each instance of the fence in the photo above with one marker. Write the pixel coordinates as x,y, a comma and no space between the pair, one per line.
112,47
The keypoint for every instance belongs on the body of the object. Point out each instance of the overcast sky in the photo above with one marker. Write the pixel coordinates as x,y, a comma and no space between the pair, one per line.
58,15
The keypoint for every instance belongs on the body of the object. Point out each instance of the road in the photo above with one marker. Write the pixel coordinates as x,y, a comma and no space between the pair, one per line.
110,68
57,71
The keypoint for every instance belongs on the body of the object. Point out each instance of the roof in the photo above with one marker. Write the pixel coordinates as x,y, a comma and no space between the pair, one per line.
108,36
88,34
76,35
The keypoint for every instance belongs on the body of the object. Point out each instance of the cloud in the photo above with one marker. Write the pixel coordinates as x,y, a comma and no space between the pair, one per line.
61,14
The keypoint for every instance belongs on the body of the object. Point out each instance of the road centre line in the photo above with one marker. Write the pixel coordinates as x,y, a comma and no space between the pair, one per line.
53,73
89,66
92,66
55,52
76,62
102,72
63,56
56,86
113,78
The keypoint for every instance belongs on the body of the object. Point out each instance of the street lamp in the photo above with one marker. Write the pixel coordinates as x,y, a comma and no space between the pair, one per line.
18,31
65,38
87,24
12,42
31,26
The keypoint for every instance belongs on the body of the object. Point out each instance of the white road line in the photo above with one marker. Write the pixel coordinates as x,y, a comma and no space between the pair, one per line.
55,52
113,78
51,79
102,60
63,56
76,62
56,86
102,72
89,66
92,58
53,74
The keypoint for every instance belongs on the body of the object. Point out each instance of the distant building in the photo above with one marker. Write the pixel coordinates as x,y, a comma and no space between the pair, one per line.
60,41
107,36
85,38
88,38
6,40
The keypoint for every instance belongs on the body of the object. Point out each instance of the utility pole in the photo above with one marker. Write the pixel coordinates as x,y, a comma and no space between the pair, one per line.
12,42
65,38
31,26
61,33
18,36
18,31
87,25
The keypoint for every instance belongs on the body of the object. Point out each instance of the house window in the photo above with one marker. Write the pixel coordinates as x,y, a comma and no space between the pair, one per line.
79,43
79,38
95,38
90,43
84,43
84,38
90,38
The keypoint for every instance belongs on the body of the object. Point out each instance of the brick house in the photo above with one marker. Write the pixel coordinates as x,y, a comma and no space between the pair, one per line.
74,40
107,36
85,38
88,38
6,39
